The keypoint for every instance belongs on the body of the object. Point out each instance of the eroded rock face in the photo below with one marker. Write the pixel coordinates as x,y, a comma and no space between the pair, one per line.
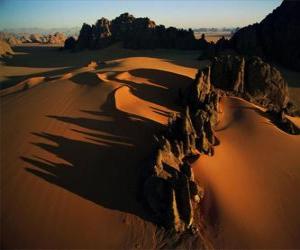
170,189
56,38
258,82
84,37
5,49
228,73
135,33
100,34
265,84
251,77
275,38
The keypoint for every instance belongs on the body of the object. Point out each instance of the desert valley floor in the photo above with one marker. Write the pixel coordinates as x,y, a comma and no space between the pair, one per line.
73,141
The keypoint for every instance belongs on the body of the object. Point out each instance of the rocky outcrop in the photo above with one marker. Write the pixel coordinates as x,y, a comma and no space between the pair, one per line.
36,38
170,190
251,77
85,37
5,49
70,43
265,84
100,34
228,73
10,38
56,38
282,122
135,33
258,82
275,38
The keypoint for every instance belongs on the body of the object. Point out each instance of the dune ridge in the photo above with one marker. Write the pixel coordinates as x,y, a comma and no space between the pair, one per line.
69,169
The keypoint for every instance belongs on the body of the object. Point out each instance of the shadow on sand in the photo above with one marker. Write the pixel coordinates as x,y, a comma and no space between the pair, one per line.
105,166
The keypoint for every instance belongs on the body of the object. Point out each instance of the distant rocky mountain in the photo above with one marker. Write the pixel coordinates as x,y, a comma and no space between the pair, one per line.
134,33
16,39
276,38
73,31
5,49
215,30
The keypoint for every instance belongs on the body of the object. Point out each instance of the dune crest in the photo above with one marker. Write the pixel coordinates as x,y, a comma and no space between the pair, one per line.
253,181
127,102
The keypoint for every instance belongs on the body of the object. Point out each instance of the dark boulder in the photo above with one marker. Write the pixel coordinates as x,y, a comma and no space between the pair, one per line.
227,72
101,36
70,43
265,84
85,37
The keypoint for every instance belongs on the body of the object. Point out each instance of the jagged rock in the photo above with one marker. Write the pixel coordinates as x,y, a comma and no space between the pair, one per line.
279,118
56,38
183,200
70,43
265,84
135,33
275,38
100,36
227,72
170,189
254,80
5,49
202,43
246,41
13,41
121,25
252,77
25,39
36,38
84,38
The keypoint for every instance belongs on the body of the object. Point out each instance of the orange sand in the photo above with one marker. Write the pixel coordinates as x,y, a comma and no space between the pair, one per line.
72,147
252,182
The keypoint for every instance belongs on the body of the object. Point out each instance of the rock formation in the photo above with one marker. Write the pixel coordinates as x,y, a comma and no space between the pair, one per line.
170,190
135,33
5,49
70,43
250,77
56,38
10,38
258,82
275,38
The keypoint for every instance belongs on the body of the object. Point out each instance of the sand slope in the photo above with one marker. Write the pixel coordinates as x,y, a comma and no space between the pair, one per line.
70,153
252,181
72,147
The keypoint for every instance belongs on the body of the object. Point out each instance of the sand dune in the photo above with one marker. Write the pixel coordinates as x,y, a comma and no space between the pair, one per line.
63,166
72,148
252,181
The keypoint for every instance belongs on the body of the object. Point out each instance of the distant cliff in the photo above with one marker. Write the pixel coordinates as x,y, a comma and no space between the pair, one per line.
134,33
276,38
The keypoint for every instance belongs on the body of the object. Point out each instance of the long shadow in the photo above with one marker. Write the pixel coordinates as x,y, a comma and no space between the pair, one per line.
50,75
166,88
47,56
103,169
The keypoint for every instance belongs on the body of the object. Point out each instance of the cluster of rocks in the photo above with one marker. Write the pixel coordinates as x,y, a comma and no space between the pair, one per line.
5,49
256,81
275,38
10,38
134,33
169,186
14,39
56,38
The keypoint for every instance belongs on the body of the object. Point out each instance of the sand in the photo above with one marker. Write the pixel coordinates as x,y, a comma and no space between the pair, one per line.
73,144
252,182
